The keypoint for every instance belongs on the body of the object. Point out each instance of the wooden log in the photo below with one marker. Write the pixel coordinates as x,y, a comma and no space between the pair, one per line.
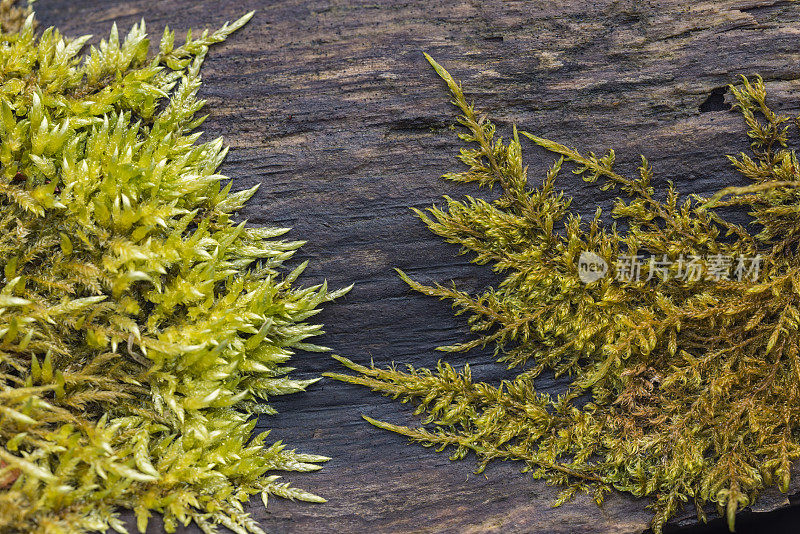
330,105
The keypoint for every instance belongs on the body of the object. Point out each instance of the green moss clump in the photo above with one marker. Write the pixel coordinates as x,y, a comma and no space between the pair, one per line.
141,328
682,388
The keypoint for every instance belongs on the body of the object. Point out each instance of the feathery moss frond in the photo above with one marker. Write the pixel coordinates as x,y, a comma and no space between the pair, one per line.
682,388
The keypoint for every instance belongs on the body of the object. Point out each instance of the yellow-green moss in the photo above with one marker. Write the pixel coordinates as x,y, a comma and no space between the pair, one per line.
141,328
681,390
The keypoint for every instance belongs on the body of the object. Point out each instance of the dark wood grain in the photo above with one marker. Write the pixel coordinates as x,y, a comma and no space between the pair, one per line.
331,106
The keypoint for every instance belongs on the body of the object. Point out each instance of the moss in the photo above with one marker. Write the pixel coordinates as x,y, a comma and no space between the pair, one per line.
141,327
681,388
13,17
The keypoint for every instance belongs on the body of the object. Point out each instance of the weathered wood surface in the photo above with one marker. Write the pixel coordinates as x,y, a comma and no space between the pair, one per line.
331,106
